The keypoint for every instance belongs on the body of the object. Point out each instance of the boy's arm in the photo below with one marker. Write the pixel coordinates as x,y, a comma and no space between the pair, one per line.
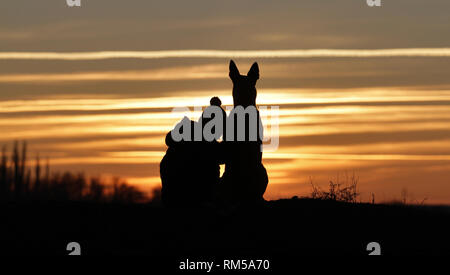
220,150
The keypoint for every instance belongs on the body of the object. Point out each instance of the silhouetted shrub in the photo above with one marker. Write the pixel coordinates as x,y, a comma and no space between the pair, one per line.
17,182
338,191
124,193
156,195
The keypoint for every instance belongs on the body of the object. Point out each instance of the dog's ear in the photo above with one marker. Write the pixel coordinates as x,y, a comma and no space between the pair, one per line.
254,72
234,72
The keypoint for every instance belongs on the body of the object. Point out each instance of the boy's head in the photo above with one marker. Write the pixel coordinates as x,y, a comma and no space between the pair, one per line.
210,113
215,101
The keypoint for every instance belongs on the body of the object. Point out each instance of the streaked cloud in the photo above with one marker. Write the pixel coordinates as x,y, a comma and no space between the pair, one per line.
294,53
176,73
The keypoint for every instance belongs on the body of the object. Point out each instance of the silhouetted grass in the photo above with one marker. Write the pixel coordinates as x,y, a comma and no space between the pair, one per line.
343,190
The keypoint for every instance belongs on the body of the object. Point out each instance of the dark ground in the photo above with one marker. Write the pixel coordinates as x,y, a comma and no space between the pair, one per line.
274,230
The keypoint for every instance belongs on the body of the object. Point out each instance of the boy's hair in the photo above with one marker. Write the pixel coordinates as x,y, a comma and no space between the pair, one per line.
215,101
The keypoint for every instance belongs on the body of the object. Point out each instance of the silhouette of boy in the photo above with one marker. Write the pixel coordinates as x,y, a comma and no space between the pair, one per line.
190,170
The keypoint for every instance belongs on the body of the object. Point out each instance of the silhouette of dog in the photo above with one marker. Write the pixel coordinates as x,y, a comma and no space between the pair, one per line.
245,178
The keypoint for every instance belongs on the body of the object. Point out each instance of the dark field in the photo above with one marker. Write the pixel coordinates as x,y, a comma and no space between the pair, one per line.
274,230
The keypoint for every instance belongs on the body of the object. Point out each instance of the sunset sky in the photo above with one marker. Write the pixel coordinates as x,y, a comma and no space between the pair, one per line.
361,90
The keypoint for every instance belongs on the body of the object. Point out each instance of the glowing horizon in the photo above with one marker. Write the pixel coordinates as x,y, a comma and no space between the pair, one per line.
115,137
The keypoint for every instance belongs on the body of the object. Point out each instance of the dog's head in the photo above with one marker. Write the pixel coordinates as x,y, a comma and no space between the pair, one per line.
244,91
